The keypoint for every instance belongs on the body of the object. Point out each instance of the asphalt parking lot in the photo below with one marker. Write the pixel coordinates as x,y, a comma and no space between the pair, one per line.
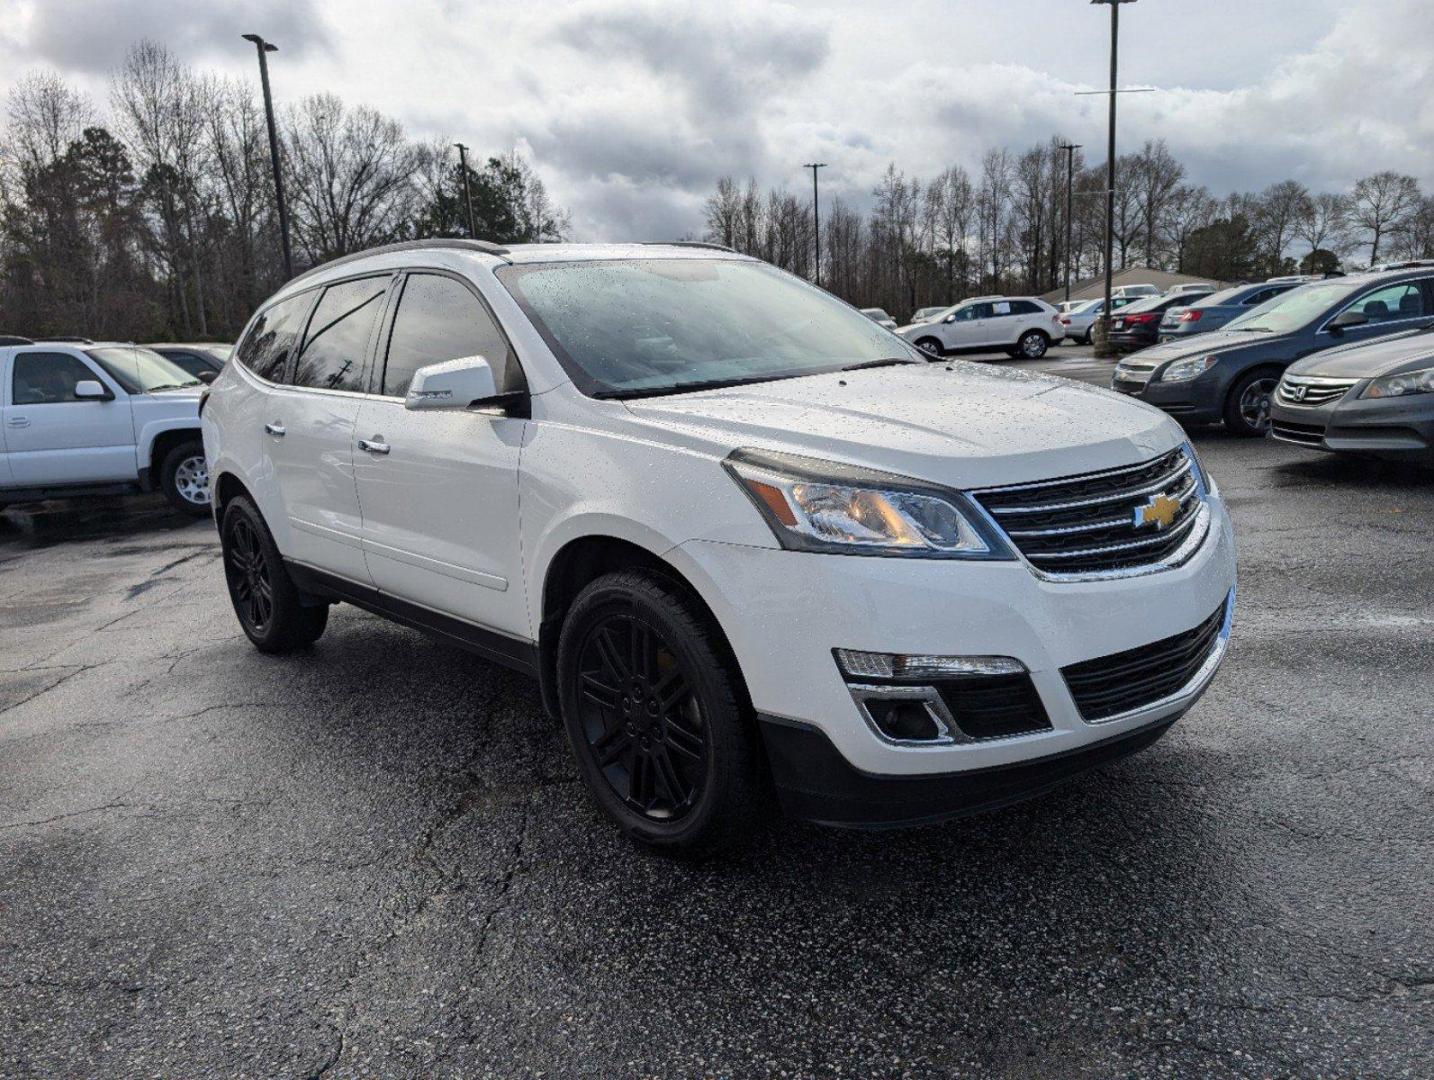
374,859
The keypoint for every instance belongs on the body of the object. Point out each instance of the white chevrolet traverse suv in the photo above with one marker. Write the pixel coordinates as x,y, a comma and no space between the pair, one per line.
1023,326
749,543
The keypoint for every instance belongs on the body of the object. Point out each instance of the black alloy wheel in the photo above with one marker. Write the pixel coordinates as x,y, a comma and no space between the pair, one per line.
273,613
643,723
657,715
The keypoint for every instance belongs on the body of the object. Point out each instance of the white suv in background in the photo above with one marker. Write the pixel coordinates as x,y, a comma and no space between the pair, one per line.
744,538
87,420
1023,326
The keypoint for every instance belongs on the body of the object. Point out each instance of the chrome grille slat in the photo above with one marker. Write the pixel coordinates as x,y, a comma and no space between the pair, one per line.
1076,527
1317,391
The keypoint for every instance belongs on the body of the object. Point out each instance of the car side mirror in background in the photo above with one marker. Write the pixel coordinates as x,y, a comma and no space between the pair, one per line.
456,384
1347,318
950,318
207,377
91,390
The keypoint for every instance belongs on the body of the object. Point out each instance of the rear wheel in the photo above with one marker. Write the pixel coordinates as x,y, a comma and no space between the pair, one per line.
271,610
184,479
1032,345
930,346
1247,405
653,708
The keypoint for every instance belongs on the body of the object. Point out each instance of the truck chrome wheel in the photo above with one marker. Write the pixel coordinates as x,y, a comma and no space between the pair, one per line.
642,720
191,480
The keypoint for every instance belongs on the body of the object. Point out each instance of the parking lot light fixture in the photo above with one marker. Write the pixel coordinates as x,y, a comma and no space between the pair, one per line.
265,47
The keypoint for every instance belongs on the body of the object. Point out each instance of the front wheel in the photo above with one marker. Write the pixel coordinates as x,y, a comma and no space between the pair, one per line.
653,708
1032,345
1247,406
184,479
272,612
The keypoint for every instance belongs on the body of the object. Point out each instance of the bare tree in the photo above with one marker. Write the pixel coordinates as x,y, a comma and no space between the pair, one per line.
1189,208
1380,204
353,172
45,115
1322,222
1152,176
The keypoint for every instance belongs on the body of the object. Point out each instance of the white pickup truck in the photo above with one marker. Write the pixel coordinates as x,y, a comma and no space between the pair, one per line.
99,419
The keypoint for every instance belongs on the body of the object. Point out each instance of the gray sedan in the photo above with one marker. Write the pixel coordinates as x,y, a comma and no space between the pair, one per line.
1374,398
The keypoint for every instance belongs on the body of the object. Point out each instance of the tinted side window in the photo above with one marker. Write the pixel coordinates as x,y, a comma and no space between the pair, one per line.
438,319
192,364
42,378
337,342
273,337
1024,307
1402,301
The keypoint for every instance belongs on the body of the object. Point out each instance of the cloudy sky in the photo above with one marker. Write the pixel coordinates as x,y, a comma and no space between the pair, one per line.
632,108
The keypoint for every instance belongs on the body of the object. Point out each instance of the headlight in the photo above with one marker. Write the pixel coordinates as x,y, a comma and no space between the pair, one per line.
1411,382
815,505
1204,482
1185,370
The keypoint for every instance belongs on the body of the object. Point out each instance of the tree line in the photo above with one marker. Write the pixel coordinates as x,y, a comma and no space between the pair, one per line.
1003,229
156,218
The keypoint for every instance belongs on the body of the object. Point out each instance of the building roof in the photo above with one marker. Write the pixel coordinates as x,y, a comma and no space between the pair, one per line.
1094,287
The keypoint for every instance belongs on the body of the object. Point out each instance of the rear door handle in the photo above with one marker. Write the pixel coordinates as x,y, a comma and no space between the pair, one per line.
374,445
276,429
19,421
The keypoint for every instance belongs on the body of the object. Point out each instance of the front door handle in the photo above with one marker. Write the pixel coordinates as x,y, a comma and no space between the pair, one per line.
376,445
276,429
19,421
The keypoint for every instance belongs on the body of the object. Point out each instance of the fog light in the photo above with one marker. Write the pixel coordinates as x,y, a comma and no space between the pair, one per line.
873,665
904,721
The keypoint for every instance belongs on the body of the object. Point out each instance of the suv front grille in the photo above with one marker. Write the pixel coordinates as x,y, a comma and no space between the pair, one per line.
1299,390
1094,523
1110,685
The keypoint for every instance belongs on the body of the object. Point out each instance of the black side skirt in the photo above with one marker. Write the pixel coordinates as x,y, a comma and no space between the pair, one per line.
500,648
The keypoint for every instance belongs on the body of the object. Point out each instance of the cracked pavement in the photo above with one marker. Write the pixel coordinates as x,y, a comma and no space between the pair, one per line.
374,859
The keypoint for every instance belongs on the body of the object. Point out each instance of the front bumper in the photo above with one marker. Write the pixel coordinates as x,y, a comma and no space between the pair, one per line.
784,612
1200,400
1401,429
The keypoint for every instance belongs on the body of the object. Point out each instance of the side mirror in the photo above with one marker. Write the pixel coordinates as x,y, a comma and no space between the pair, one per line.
91,390
207,377
1347,318
454,384
950,318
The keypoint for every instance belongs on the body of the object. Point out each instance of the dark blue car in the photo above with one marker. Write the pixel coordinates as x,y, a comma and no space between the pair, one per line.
1215,310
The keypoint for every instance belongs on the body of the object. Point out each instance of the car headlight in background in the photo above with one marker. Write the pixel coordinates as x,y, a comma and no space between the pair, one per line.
1185,370
1410,382
815,505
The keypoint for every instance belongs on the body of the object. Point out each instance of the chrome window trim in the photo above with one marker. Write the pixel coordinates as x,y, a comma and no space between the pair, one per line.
1195,686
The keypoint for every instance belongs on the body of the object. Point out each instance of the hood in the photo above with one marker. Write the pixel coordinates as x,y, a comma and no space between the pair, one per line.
959,424
1214,341
1408,351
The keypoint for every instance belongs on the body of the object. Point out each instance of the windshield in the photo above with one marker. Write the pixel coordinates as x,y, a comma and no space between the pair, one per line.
1146,303
631,327
141,371
1224,296
221,351
1291,310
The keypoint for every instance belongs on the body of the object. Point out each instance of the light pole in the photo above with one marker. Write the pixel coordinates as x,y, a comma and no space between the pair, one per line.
816,219
1070,149
263,48
467,196
1110,158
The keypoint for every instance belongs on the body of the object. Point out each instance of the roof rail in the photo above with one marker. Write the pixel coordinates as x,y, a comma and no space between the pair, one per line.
487,247
15,339
691,244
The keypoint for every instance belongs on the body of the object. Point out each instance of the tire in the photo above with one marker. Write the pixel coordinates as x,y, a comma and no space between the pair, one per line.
1032,345
184,479
1247,405
655,713
931,346
271,611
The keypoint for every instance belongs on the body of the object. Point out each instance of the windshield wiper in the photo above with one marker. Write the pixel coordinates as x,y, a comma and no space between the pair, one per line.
685,388
890,361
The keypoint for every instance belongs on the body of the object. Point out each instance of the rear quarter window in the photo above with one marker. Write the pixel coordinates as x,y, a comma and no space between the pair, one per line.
272,339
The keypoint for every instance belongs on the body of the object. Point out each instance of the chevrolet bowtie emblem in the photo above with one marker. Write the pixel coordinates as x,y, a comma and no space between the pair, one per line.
1160,511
